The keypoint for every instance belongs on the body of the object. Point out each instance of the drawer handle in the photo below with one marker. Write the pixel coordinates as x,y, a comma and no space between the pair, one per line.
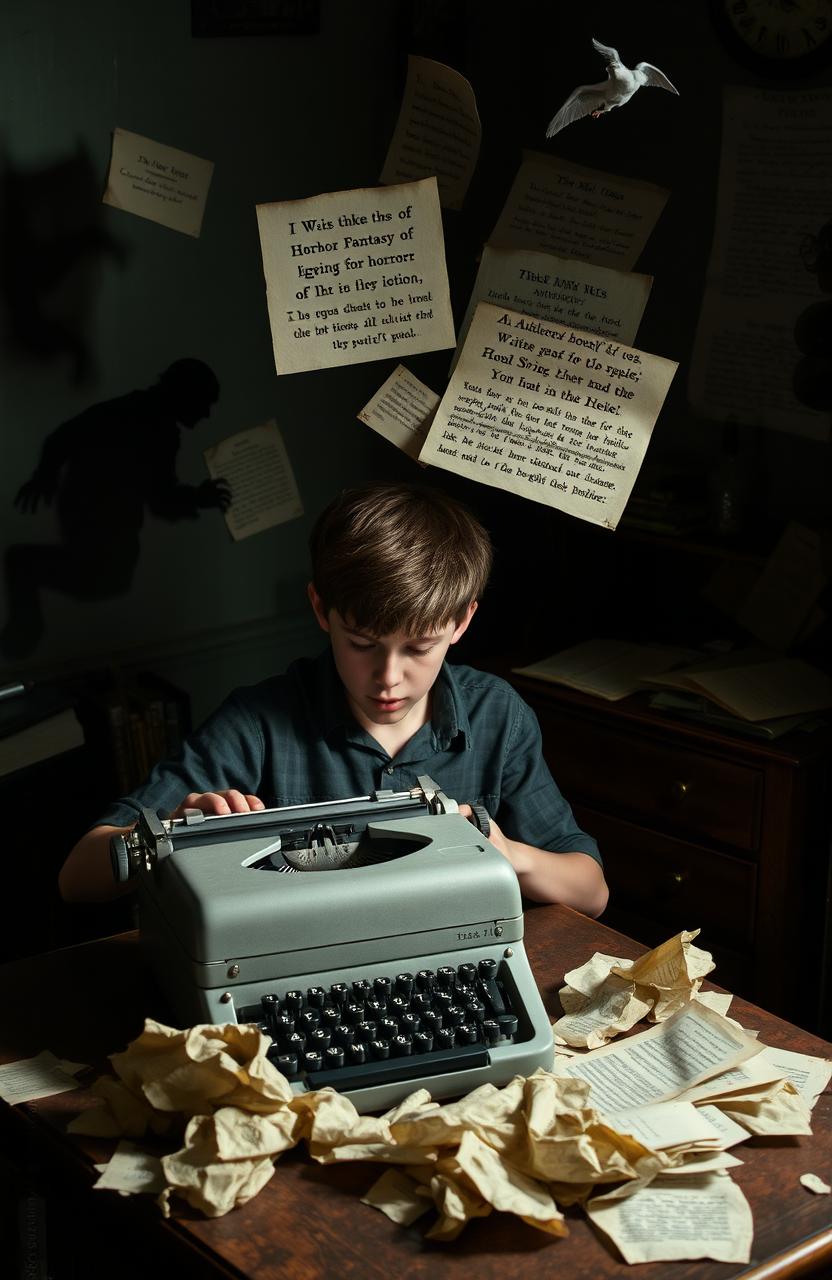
681,790
676,880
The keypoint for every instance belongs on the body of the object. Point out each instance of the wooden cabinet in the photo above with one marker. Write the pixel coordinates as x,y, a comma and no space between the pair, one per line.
700,829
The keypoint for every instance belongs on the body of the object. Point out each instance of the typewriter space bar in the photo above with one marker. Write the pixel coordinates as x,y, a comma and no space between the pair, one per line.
387,1070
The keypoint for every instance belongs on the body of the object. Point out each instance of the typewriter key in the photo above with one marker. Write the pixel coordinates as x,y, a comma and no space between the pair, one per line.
474,1010
491,1031
446,977
293,1002
308,1019
319,1039
382,988
330,1015
454,1015
401,1046
312,1060
342,1034
398,1005
334,1056
387,1027
408,1023
444,1038
270,1003
466,973
466,1033
488,968
374,1008
425,980
295,1043
365,1032
422,1042
380,1049
339,993
316,997
356,1054
286,1062
360,989
508,1023
354,1013
284,1025
432,1019
404,983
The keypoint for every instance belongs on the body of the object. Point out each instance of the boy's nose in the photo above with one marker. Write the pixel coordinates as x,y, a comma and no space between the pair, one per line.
388,671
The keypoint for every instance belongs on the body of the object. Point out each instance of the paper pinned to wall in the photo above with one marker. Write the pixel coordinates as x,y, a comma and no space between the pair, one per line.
401,410
353,276
774,196
550,413
158,182
438,131
558,207
255,465
566,290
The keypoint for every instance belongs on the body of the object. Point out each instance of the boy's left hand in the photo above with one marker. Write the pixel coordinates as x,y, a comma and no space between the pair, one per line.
495,835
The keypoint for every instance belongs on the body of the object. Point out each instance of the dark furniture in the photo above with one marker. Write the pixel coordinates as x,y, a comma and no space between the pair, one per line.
701,828
308,1222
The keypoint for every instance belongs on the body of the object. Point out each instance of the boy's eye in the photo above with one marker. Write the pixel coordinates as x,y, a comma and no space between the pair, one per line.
362,647
421,653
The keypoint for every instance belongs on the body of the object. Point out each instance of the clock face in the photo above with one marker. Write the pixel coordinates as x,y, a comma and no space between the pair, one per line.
787,37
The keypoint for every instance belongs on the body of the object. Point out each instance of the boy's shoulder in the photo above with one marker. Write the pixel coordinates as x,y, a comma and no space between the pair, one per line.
473,682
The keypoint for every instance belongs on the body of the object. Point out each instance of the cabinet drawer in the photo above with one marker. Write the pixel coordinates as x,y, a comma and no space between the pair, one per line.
679,885
665,785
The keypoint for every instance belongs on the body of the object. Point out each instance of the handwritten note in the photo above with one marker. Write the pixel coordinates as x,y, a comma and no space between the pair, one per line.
564,208
577,293
554,414
353,276
263,489
438,131
401,410
158,182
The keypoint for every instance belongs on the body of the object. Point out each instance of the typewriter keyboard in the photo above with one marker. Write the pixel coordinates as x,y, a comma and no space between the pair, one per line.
353,1035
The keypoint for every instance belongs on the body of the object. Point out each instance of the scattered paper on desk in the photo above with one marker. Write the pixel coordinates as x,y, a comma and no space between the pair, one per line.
752,683
158,182
809,1075
38,1077
438,131
399,1197
707,1217
812,1182
256,467
401,410
610,669
131,1171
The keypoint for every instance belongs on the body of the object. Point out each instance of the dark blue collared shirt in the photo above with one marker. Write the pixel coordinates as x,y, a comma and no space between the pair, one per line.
293,740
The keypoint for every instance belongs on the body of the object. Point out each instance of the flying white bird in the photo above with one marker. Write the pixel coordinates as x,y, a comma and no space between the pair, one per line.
618,88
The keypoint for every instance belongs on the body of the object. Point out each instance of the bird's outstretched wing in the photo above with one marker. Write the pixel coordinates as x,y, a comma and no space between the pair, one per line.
647,74
610,55
581,102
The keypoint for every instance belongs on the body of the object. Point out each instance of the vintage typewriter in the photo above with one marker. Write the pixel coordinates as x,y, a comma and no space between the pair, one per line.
378,941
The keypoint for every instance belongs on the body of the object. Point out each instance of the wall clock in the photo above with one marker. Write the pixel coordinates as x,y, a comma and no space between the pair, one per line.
783,38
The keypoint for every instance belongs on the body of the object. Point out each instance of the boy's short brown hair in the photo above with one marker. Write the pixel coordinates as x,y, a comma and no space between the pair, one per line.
399,557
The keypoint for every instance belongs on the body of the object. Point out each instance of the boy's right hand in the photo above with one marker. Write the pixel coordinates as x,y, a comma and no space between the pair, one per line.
218,802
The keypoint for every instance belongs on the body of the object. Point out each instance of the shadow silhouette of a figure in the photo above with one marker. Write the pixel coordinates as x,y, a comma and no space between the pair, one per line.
102,469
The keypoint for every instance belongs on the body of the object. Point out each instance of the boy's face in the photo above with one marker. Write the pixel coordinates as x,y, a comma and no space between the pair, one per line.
387,678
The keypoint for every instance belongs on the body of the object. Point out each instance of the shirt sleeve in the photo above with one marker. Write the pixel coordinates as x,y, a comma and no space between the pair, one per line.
532,808
225,754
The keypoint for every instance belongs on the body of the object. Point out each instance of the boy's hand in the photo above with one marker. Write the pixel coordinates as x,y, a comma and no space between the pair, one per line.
218,802
495,835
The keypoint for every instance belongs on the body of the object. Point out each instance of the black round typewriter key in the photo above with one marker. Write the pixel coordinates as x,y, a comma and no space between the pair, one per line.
354,1013
365,1032
319,1039
339,993
508,1023
422,1042
442,1000
356,1054
360,989
342,1034
488,968
466,1033
431,1019
474,1010
283,1026
293,1002
425,980
491,1031
265,1029
420,1002
334,1056
444,1038
287,1063
408,1023
466,973
454,1015
401,1046
295,1043
404,983
398,1005
316,997
374,1008
312,1060
382,988
387,1027
464,991
270,1003
330,1015
380,1049
446,977
308,1019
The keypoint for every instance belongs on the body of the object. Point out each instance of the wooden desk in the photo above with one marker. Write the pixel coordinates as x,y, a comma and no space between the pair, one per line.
308,1222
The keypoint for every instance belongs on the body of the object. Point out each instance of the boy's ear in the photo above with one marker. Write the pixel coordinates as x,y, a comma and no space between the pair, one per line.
462,627
317,607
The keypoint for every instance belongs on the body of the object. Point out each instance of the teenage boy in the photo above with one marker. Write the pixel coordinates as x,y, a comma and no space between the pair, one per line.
397,573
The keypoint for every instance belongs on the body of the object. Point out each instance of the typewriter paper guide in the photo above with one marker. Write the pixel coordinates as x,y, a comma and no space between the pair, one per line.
218,909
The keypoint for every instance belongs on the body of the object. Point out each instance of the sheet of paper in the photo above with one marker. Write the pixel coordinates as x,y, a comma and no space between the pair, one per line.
784,595
256,466
549,413
31,1078
766,690
158,182
809,1075
661,1063
401,410
438,131
774,196
131,1170
566,290
730,1133
610,669
673,1219
564,208
353,276
667,1124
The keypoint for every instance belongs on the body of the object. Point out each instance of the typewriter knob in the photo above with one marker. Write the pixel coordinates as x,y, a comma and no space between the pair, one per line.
120,859
481,820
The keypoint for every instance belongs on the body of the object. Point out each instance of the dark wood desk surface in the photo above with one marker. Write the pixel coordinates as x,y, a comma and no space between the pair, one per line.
308,1222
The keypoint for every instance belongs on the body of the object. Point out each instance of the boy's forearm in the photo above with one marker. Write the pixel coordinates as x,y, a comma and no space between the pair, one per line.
572,879
87,874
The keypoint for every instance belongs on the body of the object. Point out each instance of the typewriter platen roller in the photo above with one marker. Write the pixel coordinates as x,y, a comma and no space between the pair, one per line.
385,929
